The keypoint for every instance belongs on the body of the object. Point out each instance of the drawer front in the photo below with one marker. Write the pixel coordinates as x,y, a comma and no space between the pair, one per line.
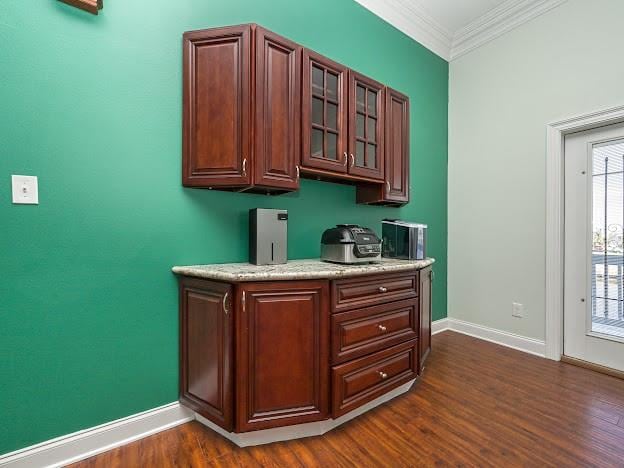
362,380
361,292
363,331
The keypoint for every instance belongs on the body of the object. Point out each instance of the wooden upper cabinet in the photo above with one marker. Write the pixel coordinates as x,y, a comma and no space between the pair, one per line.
223,109
282,336
206,349
426,279
395,191
324,114
366,127
216,133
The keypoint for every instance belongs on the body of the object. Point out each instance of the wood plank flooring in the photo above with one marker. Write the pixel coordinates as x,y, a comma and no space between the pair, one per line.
477,404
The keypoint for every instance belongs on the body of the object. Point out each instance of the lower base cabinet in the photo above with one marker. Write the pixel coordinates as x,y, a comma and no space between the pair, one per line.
261,355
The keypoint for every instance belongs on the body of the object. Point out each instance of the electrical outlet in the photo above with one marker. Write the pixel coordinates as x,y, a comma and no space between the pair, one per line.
517,310
25,190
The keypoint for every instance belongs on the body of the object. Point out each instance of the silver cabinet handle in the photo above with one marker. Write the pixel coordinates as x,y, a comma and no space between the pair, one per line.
225,309
381,328
243,301
383,289
346,158
298,174
245,166
388,186
352,160
383,375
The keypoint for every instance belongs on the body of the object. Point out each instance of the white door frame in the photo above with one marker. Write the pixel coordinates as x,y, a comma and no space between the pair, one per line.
555,134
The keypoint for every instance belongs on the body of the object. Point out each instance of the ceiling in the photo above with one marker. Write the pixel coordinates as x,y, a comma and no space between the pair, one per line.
454,15
452,28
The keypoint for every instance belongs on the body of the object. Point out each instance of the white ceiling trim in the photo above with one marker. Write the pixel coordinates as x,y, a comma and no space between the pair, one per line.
414,21
498,21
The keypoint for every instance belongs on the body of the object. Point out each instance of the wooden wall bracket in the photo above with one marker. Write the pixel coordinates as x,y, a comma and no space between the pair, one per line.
92,6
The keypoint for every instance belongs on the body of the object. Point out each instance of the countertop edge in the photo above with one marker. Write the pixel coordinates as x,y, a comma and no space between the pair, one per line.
203,272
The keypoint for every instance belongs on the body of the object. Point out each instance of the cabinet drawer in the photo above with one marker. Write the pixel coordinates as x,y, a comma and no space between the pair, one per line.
360,292
362,380
363,331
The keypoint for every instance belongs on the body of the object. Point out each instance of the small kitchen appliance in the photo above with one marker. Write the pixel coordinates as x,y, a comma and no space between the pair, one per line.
268,236
350,243
404,240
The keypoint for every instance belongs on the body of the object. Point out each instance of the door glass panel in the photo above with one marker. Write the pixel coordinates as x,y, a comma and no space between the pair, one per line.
607,240
332,86
372,129
360,98
359,153
317,80
371,156
317,111
317,143
359,126
332,115
372,103
332,143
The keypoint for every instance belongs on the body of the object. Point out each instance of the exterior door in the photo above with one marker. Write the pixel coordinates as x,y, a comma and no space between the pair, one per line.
216,107
282,354
278,103
366,127
594,247
324,112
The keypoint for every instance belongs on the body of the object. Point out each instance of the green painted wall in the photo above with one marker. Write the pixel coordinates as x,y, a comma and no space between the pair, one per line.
92,105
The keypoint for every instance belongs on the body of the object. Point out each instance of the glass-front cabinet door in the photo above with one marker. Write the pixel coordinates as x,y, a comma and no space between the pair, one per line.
324,112
366,127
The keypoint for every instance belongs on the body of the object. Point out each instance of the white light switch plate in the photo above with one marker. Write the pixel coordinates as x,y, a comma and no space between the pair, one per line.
25,190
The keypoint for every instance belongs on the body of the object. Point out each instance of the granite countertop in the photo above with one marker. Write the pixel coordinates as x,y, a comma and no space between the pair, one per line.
297,269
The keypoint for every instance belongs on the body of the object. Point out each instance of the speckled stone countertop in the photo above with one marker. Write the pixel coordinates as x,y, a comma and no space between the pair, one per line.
296,269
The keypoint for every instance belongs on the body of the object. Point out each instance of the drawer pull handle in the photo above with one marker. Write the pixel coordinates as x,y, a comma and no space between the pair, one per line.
383,375
383,289
381,328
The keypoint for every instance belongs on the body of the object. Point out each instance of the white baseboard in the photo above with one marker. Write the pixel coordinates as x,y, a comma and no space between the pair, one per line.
298,431
438,326
503,338
89,442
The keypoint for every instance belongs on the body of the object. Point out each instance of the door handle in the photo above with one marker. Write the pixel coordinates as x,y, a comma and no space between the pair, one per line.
245,167
298,175
225,308
346,158
352,160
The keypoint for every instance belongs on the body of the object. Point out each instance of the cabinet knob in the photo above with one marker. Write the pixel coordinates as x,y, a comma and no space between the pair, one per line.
381,327
383,289
383,375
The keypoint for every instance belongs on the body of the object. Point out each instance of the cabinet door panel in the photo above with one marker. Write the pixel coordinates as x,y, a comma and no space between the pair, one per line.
278,101
425,314
397,147
283,348
324,114
366,127
216,107
206,366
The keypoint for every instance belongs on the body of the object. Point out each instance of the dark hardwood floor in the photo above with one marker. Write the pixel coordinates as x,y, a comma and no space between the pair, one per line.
477,404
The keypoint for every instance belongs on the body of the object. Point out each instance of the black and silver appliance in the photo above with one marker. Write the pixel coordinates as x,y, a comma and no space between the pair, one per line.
268,236
350,243
404,240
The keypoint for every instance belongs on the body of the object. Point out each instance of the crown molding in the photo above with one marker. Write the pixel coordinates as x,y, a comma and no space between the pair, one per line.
411,19
496,22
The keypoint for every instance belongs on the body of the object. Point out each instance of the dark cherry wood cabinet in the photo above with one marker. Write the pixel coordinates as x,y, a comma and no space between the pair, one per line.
366,127
282,347
242,98
426,280
266,354
395,190
206,349
324,115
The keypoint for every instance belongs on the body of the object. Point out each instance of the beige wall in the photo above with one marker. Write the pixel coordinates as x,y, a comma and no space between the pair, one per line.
566,62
